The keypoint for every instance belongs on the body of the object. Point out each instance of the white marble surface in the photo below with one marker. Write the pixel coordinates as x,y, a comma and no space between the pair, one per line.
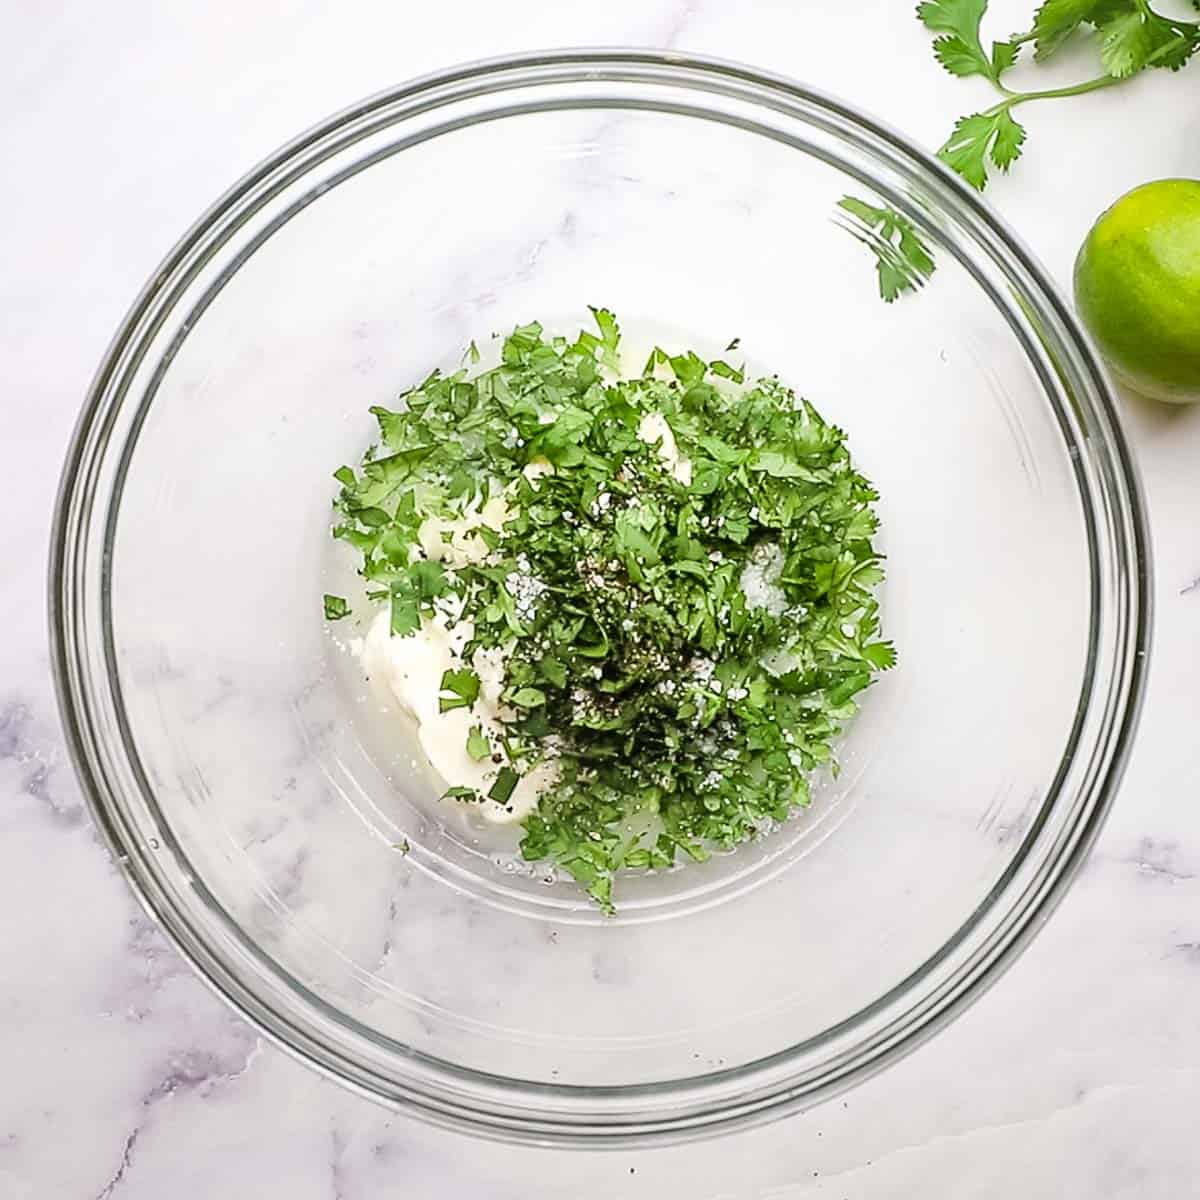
1077,1076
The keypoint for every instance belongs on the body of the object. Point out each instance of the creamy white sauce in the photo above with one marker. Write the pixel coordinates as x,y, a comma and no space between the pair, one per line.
537,468
653,428
411,669
456,542
779,662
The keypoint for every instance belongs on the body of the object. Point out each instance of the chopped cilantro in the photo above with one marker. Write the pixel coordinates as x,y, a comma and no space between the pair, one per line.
506,782
460,689
336,608
725,371
680,648
478,747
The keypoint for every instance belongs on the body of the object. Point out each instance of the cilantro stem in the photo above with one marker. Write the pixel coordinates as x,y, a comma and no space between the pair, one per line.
1012,99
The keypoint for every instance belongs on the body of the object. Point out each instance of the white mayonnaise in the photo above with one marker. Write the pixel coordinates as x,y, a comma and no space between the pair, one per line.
411,669
464,544
653,428
537,468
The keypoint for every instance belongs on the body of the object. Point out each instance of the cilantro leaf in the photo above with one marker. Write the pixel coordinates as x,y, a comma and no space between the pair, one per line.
610,336
961,59
405,611
632,542
336,608
993,135
460,689
658,358
1010,137
1004,57
478,747
506,781
1056,20
777,465
1131,41
881,655
428,579
725,371
903,260
553,671
1126,43
1175,51
960,49
689,368
412,590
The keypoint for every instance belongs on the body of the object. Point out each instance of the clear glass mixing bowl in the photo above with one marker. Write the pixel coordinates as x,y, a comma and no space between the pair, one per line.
298,866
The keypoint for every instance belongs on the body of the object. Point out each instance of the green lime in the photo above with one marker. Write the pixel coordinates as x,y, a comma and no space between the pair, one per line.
1137,288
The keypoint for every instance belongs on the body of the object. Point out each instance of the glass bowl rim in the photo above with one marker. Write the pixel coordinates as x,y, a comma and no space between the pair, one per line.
563,1113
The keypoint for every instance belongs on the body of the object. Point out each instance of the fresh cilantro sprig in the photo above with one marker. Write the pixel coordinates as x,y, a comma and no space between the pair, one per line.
680,712
1130,36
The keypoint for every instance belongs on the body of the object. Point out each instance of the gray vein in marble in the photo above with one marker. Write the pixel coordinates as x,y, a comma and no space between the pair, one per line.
1194,586
677,24
153,964
527,260
1159,860
188,1071
1080,1097
13,721
126,1159
337,1148
27,744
